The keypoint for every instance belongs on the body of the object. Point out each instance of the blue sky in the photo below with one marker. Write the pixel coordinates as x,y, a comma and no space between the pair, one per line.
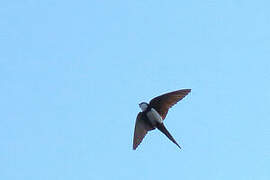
72,75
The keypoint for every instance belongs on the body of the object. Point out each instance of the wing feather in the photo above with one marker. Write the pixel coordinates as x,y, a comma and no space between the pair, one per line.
141,129
164,102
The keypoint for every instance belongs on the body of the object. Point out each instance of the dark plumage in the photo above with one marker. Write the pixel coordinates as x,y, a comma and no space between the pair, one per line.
148,119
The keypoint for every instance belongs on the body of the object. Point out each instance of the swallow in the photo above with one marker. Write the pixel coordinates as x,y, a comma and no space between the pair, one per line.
153,115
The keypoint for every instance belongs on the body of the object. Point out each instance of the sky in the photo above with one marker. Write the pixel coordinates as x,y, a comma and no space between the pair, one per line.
72,74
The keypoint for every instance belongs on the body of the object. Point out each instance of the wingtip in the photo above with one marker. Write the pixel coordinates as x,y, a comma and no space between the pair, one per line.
185,90
135,147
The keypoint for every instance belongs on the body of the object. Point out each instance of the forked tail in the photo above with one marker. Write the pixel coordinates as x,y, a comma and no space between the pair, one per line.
163,129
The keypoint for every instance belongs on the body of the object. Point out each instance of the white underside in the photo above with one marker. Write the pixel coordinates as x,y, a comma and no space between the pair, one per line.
154,117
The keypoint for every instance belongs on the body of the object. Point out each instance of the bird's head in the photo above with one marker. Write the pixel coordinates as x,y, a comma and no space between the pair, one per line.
143,106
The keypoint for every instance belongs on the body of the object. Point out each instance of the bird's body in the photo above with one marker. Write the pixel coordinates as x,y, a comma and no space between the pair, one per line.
153,115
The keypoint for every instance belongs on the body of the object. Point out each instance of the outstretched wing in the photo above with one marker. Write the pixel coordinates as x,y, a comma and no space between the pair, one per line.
141,129
164,102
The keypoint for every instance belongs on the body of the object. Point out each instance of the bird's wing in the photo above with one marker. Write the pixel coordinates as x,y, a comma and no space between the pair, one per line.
141,129
164,102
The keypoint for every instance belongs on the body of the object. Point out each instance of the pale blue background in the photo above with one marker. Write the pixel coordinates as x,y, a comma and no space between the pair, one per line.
73,72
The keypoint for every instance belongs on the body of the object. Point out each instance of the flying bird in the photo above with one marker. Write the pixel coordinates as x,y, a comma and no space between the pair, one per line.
153,115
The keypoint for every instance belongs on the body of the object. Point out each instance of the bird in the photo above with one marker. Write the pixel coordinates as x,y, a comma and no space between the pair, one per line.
153,115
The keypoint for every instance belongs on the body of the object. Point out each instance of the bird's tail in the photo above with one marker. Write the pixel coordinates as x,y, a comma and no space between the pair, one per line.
163,129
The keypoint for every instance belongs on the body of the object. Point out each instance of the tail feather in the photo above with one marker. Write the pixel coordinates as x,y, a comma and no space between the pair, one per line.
163,129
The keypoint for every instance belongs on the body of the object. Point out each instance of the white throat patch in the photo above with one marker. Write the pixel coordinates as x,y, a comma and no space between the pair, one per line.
143,106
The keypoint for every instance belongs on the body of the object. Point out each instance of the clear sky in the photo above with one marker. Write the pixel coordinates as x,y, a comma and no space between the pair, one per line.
72,74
